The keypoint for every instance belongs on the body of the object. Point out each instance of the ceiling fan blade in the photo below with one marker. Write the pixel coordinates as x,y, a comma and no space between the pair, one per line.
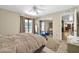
32,9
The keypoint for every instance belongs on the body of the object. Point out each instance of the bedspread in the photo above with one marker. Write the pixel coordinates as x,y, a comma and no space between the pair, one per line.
21,43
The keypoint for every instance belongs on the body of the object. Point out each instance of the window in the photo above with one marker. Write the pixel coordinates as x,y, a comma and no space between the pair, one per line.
28,26
42,27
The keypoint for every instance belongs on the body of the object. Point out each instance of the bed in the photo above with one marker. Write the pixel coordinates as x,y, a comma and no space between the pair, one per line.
22,43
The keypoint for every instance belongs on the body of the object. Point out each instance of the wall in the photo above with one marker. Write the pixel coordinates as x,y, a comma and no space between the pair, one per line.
37,23
9,22
57,26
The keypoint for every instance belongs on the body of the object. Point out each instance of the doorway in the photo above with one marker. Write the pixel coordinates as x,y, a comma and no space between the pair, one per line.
28,26
46,27
67,26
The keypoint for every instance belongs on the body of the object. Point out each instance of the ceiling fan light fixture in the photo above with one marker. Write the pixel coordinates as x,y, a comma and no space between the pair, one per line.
31,13
35,11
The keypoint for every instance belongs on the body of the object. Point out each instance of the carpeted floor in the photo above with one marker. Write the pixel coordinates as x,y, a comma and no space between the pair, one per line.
54,45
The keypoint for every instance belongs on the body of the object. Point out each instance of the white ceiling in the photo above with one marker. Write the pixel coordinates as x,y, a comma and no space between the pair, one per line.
25,9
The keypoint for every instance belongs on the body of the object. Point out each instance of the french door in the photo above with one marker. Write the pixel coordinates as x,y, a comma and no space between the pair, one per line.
28,26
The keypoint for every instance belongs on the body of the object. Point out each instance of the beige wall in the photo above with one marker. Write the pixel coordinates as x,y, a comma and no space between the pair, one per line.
9,22
57,26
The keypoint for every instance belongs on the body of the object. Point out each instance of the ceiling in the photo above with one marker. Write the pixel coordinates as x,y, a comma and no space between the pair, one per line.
46,9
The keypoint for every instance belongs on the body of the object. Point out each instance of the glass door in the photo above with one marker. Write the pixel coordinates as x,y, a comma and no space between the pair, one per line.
28,26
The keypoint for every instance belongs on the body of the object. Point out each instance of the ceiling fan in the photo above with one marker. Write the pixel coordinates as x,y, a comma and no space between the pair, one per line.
36,9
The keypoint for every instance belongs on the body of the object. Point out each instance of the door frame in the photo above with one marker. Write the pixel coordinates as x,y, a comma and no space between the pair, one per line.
68,13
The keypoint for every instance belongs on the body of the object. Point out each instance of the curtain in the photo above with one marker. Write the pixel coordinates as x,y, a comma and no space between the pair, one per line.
33,26
22,24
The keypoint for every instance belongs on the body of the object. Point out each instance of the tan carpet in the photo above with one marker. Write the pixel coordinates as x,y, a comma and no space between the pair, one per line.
55,45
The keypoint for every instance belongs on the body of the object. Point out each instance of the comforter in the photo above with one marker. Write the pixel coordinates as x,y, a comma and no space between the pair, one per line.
21,43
